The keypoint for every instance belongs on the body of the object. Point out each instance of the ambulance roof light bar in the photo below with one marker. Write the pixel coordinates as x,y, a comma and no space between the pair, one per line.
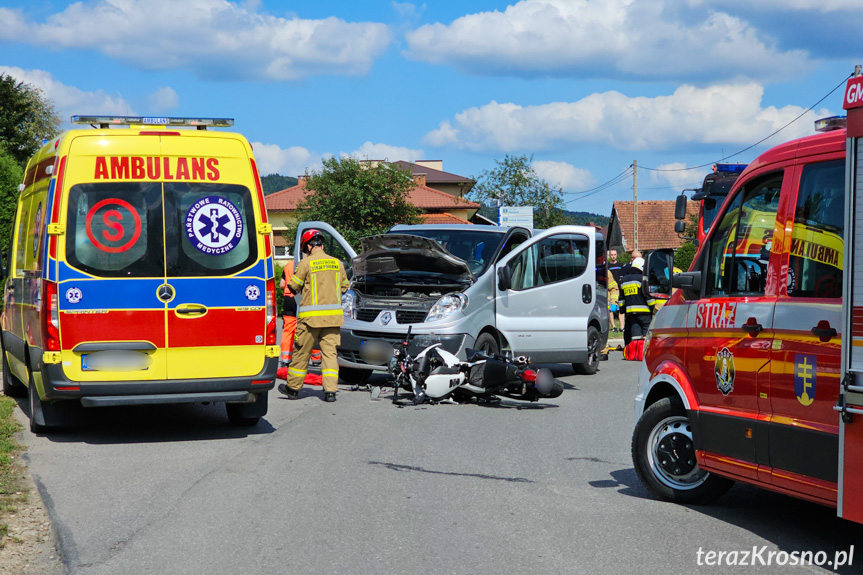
729,168
831,123
107,121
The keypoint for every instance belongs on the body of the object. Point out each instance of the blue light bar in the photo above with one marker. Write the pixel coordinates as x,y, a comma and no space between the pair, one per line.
729,168
831,123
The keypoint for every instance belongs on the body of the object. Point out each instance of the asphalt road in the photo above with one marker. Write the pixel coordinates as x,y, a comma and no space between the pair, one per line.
366,487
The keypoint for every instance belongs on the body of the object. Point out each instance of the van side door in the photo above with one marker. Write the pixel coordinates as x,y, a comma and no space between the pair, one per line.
805,359
730,329
543,311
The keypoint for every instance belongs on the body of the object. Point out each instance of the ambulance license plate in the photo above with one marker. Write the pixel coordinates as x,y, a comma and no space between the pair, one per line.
120,360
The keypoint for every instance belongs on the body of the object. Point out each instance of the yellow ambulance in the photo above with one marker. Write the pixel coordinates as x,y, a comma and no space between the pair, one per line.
140,271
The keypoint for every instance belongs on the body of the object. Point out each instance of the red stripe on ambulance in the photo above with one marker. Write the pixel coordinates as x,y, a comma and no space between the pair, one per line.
114,325
232,326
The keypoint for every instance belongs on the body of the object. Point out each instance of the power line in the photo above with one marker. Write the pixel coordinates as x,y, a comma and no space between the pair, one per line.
806,111
616,179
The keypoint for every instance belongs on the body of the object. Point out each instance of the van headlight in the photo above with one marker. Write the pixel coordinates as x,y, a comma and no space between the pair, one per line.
447,305
349,299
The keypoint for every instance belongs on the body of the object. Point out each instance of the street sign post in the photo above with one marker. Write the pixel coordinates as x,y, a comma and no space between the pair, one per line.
509,216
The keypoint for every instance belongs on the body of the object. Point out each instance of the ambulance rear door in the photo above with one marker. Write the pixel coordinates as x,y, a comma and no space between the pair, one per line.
109,261
215,259
850,404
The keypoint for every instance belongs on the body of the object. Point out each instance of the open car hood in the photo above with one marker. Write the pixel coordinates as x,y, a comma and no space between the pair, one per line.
397,253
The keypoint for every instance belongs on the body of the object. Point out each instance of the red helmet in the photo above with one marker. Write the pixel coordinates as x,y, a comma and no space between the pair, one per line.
308,236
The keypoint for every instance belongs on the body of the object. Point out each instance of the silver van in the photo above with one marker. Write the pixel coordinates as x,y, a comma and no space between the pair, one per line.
540,293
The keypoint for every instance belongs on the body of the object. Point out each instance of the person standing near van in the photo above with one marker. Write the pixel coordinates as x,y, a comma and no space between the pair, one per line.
289,318
615,269
636,303
322,280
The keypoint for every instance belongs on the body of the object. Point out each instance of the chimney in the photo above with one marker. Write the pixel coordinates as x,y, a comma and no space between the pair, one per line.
302,180
419,179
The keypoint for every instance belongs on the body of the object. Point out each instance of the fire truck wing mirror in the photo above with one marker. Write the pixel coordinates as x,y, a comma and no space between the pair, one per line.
680,208
689,282
660,265
504,278
679,226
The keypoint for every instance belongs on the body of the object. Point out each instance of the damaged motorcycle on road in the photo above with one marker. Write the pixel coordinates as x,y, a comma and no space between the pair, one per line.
436,376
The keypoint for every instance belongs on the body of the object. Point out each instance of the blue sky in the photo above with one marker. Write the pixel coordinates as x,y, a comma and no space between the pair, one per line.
586,87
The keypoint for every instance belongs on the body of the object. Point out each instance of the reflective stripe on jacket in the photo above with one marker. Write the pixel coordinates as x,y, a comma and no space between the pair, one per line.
636,298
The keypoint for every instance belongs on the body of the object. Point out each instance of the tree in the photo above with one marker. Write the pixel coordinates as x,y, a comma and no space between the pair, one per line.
515,183
357,199
11,175
27,118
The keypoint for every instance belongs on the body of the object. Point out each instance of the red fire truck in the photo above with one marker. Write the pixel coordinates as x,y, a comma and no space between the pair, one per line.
746,375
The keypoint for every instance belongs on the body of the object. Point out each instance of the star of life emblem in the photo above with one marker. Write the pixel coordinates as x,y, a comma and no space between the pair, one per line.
252,292
74,295
214,225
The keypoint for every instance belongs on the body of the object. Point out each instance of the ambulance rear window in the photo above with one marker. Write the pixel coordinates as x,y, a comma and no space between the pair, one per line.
210,227
115,229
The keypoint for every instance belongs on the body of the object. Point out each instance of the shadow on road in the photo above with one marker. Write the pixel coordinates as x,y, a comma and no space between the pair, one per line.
790,524
147,424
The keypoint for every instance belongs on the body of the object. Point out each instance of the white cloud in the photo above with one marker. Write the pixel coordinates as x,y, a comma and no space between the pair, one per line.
632,39
370,151
563,175
214,39
789,5
676,176
69,99
724,114
164,99
293,161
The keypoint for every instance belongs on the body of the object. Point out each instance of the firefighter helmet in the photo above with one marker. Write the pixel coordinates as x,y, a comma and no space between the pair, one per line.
310,236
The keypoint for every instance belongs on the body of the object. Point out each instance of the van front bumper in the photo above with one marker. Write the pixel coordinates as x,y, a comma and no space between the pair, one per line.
349,350
105,393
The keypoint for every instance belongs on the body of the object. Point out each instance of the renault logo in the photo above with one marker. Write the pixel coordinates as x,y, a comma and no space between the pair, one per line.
386,317
165,293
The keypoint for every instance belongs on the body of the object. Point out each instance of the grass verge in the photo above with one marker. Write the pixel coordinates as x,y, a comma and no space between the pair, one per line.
11,488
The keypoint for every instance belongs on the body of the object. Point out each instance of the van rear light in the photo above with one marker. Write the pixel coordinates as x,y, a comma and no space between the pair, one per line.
271,312
50,317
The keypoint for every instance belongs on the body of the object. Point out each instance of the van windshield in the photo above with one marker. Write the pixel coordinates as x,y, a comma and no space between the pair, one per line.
474,247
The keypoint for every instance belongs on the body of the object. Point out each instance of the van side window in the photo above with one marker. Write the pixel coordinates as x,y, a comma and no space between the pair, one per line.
552,259
24,215
740,246
601,268
815,262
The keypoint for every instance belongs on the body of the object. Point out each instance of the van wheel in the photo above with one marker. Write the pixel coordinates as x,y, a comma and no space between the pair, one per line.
248,414
664,456
487,344
594,353
12,386
353,376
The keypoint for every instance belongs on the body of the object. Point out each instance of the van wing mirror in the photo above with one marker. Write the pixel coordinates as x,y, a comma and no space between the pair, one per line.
680,207
689,282
504,278
660,264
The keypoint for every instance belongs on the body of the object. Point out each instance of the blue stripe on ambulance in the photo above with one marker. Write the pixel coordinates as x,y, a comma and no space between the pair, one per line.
219,292
105,294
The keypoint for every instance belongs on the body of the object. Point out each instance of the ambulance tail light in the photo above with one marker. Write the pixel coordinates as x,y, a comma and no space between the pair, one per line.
55,210
271,312
50,317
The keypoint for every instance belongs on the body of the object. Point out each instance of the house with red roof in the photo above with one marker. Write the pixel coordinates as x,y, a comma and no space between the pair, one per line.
655,225
438,206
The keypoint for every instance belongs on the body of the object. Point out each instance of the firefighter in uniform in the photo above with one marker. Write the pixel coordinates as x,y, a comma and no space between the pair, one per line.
636,302
322,280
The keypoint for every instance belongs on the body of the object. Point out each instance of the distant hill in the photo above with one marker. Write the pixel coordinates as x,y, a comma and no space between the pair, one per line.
584,218
276,182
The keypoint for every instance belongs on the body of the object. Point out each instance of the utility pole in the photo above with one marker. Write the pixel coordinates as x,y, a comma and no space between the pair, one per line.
635,199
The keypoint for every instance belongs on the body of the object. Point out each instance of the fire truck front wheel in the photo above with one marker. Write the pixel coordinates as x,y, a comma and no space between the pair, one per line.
664,456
